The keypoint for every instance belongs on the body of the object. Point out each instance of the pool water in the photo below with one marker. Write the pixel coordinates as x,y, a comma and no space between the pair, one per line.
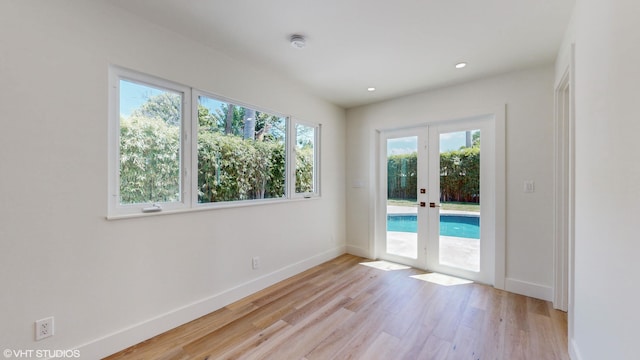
450,225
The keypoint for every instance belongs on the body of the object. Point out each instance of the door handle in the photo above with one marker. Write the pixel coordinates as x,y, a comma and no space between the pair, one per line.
433,205
423,204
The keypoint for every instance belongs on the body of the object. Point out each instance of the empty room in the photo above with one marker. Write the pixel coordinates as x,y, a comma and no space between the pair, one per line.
297,179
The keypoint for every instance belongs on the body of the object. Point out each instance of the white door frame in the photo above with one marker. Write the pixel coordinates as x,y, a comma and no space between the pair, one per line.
498,114
564,169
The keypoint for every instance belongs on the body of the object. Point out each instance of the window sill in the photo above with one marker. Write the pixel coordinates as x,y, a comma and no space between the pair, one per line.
215,206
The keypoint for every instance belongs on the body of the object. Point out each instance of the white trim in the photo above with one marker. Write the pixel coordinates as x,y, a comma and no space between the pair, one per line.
358,251
500,192
129,336
373,230
564,189
530,289
572,195
563,180
218,206
574,353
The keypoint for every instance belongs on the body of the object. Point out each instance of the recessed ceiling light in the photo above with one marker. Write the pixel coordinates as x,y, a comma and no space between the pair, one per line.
370,89
298,41
461,65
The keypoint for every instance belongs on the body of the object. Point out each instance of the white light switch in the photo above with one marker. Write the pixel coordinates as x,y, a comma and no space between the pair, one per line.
529,186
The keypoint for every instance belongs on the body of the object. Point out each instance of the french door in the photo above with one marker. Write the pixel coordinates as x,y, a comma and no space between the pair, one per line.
437,198
403,166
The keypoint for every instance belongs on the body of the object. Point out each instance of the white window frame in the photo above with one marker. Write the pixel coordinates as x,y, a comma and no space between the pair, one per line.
189,152
292,160
194,151
115,208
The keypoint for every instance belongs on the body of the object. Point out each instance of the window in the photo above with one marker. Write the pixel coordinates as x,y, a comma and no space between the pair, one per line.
306,155
148,158
175,148
241,152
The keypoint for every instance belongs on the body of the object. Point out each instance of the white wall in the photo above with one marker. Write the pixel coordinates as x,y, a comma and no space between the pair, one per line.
110,284
529,151
607,246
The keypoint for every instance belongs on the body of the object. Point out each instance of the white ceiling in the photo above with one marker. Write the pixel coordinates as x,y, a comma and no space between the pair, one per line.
398,46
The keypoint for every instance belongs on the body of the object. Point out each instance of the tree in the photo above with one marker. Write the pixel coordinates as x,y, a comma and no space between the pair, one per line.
249,124
476,139
228,119
206,119
166,106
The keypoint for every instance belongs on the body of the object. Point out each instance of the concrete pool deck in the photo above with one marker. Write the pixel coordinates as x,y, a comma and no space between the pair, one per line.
458,252
454,251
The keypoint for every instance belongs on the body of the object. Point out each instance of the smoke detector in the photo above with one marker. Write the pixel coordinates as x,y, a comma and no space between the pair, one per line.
297,41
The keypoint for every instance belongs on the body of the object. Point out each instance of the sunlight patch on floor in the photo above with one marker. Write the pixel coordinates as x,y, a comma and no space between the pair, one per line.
385,265
441,279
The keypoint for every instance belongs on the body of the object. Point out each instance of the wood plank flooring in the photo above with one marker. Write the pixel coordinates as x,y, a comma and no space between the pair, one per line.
344,310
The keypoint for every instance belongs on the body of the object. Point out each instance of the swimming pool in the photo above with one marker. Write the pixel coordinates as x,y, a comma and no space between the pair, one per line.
464,226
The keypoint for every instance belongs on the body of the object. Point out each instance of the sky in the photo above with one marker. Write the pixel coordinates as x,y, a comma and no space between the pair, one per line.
452,141
407,145
132,95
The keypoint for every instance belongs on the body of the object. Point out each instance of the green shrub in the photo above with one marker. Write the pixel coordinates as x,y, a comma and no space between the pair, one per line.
229,167
149,161
459,176
402,176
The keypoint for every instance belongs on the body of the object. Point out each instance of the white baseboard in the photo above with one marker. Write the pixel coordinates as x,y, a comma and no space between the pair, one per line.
358,251
147,329
529,289
574,354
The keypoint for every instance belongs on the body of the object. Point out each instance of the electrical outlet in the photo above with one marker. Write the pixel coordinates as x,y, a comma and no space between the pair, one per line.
255,262
44,328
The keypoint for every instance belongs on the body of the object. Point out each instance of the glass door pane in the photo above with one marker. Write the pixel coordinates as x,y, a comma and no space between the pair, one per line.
459,218
402,197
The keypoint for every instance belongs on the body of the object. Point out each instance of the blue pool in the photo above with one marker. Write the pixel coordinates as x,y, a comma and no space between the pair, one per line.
450,225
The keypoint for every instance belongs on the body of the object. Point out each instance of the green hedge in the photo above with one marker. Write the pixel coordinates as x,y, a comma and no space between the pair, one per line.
459,176
149,165
402,176
229,167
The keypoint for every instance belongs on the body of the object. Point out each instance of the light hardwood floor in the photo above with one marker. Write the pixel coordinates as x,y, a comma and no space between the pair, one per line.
344,310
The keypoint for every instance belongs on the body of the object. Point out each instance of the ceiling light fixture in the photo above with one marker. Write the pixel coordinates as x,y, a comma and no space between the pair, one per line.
371,89
298,41
461,65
